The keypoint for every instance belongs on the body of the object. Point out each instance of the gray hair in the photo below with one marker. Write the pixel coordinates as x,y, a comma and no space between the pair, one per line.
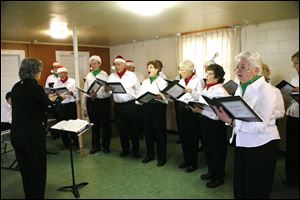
253,58
187,65
29,68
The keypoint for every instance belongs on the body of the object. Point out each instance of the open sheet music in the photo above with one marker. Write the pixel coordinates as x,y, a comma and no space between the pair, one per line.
94,87
285,89
230,87
58,91
174,89
116,86
146,98
72,125
235,107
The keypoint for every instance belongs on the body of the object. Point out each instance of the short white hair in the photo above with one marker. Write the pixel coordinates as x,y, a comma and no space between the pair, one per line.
187,65
253,58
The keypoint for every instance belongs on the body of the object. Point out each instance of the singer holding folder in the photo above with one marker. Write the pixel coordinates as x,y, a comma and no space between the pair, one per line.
188,126
97,107
213,130
154,115
256,142
125,107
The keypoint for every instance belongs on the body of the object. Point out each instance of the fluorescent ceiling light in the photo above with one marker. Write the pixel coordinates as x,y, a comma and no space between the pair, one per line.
59,29
146,8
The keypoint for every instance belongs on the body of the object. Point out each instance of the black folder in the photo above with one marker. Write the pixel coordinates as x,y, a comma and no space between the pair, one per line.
230,87
285,89
235,107
295,95
117,86
50,85
203,106
147,97
58,91
94,87
174,89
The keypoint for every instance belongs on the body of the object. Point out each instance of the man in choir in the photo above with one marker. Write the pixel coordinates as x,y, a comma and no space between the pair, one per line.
97,107
213,130
187,119
52,78
154,115
256,142
292,133
6,113
67,108
125,107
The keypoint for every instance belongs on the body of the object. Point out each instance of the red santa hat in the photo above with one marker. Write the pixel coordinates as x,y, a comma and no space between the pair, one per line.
94,57
130,63
119,58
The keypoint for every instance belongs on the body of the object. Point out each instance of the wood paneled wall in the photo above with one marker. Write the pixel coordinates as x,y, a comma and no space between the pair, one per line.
46,53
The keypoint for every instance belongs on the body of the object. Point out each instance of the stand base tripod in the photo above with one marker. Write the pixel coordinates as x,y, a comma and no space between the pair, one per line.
73,188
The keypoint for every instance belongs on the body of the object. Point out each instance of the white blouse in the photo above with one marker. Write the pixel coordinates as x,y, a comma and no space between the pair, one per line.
6,112
51,79
293,109
261,97
196,86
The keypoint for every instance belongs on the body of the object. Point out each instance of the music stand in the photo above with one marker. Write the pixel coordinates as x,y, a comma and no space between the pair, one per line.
74,187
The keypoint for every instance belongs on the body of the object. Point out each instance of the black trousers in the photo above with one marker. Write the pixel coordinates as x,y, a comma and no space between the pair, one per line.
99,115
5,126
65,112
292,150
188,134
154,118
215,146
31,158
127,125
254,170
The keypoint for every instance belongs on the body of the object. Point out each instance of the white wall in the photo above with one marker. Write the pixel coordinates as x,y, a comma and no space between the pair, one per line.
276,41
141,52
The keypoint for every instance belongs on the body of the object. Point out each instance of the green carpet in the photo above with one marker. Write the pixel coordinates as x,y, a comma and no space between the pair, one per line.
112,177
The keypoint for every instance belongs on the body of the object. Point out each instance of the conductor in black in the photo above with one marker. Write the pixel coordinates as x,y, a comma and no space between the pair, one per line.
29,109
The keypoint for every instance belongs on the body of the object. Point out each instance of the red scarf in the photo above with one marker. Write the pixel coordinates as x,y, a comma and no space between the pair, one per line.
121,73
212,84
187,80
63,81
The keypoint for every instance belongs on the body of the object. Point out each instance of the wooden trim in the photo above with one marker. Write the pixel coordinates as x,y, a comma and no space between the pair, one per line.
205,30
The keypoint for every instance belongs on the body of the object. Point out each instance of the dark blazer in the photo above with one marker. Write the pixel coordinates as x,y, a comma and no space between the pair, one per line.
28,135
29,109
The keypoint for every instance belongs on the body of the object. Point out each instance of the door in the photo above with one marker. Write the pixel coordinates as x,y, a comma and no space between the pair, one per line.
66,58
10,63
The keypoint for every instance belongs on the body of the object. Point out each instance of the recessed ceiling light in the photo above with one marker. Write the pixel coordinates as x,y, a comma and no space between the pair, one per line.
146,8
59,29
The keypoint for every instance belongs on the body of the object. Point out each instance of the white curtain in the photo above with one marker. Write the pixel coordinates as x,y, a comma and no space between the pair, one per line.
201,47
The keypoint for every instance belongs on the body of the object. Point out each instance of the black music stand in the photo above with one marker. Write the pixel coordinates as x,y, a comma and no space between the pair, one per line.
74,187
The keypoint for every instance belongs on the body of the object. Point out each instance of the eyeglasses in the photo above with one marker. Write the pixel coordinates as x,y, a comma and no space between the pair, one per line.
241,68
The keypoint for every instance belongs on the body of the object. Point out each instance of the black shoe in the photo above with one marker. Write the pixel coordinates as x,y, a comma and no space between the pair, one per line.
146,160
214,183
190,169
183,165
106,150
161,163
135,155
124,153
94,150
206,176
